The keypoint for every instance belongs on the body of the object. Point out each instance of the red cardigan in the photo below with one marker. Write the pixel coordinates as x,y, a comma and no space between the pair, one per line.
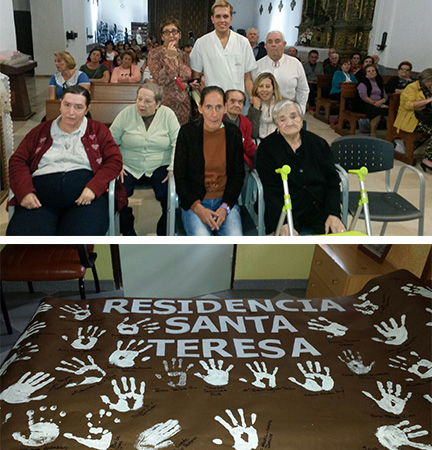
248,145
102,151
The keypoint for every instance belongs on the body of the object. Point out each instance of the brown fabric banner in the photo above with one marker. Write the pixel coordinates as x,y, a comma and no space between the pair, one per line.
315,374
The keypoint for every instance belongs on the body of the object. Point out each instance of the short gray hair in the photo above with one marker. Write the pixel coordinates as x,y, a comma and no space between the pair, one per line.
155,88
276,31
425,75
285,104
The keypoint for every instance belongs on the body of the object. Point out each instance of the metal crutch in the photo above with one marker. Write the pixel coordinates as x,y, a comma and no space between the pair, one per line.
363,201
287,207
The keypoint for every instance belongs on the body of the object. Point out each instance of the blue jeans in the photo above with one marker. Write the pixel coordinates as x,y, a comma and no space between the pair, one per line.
194,226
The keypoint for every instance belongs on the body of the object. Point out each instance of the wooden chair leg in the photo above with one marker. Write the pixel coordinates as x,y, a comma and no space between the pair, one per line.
82,288
5,312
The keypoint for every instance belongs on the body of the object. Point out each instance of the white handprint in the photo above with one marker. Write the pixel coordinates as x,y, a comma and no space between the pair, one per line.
262,374
390,400
414,290
367,307
422,367
43,307
394,334
34,328
322,324
133,328
86,340
216,376
158,436
92,372
313,376
101,443
429,310
393,436
19,355
21,391
176,372
41,432
245,437
78,312
355,363
129,393
126,357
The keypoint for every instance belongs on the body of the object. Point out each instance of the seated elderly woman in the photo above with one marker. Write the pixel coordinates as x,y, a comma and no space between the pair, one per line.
415,112
209,170
60,172
372,97
400,81
66,76
341,76
146,134
313,181
128,71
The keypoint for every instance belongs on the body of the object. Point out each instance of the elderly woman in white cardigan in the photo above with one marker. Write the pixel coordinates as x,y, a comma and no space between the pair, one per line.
146,134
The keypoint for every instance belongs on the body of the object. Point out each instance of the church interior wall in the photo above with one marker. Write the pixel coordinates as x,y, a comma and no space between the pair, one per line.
409,32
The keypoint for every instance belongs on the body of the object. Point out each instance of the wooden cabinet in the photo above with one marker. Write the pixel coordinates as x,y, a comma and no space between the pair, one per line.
342,270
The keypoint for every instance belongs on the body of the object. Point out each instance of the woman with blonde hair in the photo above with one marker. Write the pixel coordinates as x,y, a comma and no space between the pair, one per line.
415,112
66,76
265,95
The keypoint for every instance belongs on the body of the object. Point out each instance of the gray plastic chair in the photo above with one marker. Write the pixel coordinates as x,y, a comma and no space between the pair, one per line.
353,152
252,221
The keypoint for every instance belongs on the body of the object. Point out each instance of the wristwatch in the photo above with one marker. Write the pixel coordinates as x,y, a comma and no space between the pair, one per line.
226,208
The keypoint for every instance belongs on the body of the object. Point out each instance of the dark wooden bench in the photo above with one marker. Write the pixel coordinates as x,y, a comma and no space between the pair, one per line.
113,91
324,83
348,92
104,111
409,139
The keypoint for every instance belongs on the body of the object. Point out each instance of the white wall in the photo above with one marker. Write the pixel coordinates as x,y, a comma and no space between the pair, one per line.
7,26
50,21
245,12
409,29
285,21
110,11
21,5
48,33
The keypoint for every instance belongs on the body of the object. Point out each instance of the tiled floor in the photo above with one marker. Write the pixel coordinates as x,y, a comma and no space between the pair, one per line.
147,209
22,306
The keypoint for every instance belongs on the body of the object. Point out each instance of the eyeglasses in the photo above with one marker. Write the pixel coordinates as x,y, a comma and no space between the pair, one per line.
168,32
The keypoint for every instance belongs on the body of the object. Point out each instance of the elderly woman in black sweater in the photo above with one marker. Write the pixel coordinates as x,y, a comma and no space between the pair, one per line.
313,181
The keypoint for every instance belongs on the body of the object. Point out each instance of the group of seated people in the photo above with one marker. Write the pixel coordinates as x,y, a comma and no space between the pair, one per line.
60,172
372,93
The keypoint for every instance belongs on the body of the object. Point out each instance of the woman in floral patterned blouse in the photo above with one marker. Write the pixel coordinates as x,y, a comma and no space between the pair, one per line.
170,69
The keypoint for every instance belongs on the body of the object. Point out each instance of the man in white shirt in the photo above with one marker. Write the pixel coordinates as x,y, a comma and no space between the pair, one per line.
224,57
288,71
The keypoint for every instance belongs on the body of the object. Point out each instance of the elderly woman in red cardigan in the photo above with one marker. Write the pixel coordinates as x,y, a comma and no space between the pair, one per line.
60,173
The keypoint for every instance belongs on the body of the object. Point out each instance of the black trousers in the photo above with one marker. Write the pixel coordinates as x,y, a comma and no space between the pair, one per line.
59,215
161,193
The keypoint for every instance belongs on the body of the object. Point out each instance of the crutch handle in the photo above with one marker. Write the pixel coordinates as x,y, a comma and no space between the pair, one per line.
284,171
361,173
